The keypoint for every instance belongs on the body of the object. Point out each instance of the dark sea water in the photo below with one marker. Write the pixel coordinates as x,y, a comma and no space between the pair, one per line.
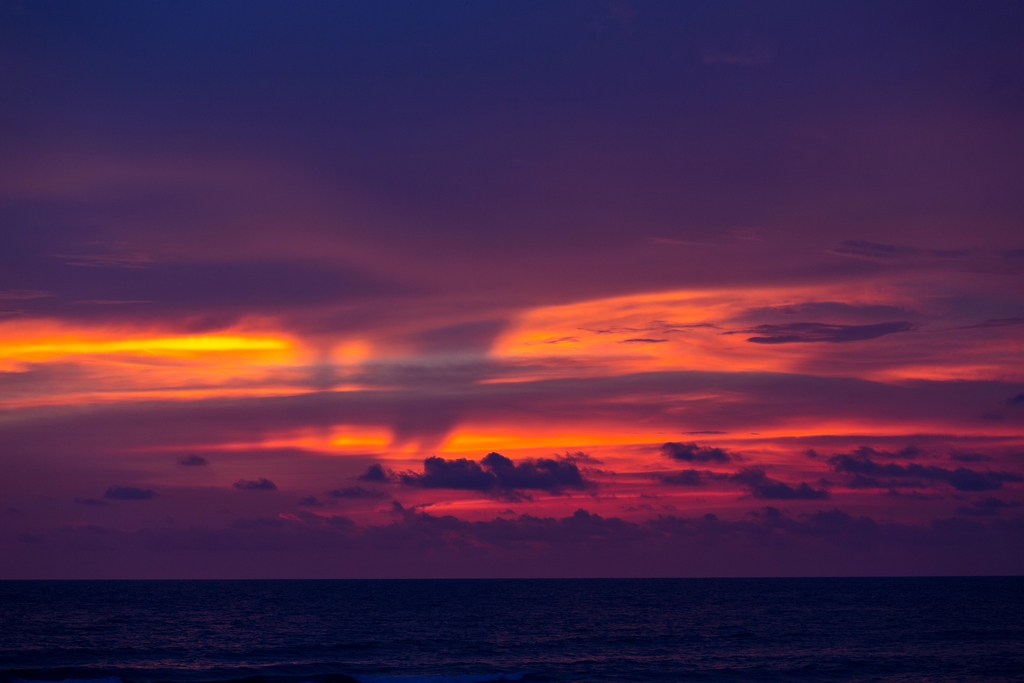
941,629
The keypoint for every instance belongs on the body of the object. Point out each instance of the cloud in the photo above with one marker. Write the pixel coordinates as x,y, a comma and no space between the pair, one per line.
376,473
580,457
1016,400
868,472
825,311
193,461
113,260
994,322
261,484
907,452
687,478
652,327
963,479
765,488
546,474
128,493
968,457
110,302
311,502
196,291
22,294
419,544
988,507
461,474
801,333
497,474
892,253
757,401
474,336
91,501
290,272
691,452
353,492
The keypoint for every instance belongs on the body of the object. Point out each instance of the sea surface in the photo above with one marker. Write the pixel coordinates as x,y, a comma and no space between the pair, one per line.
469,631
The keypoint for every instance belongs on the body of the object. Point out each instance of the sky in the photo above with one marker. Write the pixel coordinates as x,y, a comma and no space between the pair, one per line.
524,289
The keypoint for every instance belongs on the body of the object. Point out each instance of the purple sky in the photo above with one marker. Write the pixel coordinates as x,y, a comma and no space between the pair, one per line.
523,289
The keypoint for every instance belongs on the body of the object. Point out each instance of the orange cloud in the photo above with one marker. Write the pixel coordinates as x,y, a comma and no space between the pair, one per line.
722,331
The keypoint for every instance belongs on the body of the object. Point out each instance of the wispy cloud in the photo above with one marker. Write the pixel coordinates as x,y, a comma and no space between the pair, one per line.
261,484
358,492
22,294
809,333
895,253
128,493
994,322
691,452
129,260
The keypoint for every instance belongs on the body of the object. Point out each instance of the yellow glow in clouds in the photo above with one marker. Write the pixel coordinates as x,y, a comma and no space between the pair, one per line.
117,364
163,346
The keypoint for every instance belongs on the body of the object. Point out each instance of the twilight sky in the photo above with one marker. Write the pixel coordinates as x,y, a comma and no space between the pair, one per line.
511,289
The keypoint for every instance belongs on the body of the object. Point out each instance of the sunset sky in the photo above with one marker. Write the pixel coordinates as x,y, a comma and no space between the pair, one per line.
511,289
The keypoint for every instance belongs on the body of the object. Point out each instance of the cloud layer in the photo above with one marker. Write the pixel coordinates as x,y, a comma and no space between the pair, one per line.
768,542
351,285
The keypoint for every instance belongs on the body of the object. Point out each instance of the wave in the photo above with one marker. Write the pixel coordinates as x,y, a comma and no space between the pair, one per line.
469,678
327,678
104,679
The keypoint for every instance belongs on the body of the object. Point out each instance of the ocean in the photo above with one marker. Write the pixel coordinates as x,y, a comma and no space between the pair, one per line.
473,631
